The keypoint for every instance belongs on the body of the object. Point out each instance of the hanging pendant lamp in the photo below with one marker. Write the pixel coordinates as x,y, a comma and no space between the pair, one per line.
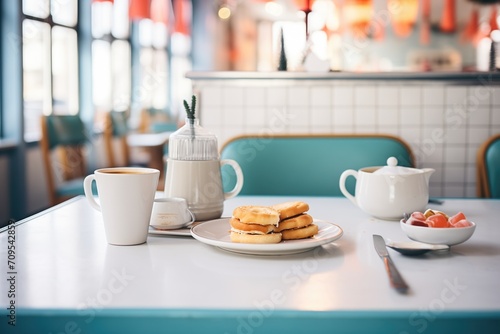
448,20
358,14
404,16
139,9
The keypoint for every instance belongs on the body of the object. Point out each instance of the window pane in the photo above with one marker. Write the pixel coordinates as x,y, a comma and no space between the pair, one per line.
160,35
37,8
101,75
121,22
160,79
121,62
143,93
64,71
145,33
101,18
36,76
64,12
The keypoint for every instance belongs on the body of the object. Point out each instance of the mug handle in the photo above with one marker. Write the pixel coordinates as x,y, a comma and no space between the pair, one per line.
343,178
193,218
239,178
87,187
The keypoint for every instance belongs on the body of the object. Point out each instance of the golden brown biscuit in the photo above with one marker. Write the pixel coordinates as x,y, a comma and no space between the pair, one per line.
261,215
299,221
270,238
300,233
290,209
250,228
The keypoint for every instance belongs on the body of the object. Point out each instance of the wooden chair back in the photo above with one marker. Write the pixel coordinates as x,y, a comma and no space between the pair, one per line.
63,151
115,132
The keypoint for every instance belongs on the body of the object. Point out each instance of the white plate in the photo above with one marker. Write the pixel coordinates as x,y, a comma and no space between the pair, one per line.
216,233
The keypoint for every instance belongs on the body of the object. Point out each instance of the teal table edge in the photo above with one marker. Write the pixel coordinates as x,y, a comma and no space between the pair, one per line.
263,319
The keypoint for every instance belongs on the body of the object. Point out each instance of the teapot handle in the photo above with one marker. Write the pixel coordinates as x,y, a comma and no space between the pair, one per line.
343,189
239,178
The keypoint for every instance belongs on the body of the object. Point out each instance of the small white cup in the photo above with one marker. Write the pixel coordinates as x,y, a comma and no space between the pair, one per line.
170,213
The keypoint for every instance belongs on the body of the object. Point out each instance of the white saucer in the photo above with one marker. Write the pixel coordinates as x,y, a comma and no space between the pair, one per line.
216,233
182,231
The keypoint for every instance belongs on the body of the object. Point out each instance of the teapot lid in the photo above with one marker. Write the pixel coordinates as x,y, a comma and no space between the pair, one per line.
192,142
392,168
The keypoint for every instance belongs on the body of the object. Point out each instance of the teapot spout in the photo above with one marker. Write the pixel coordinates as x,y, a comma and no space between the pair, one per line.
427,173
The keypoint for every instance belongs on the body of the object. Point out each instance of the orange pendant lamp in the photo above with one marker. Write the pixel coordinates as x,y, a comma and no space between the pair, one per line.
448,21
182,14
139,9
403,15
358,15
472,27
160,11
304,5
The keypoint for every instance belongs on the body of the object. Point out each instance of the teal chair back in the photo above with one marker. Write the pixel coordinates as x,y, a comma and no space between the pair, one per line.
488,166
119,124
157,127
307,165
116,128
65,130
67,135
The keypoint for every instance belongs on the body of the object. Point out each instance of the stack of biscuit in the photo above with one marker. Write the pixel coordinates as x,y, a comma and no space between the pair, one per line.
264,225
255,225
294,222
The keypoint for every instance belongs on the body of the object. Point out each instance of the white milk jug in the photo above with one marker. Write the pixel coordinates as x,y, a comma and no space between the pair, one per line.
194,171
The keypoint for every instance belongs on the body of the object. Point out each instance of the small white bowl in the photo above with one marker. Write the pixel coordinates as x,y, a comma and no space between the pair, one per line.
433,235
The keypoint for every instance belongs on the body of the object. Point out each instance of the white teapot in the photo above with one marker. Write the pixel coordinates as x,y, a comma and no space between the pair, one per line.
390,191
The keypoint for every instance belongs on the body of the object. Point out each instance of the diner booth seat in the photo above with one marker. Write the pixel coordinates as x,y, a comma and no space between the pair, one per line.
63,142
307,165
488,168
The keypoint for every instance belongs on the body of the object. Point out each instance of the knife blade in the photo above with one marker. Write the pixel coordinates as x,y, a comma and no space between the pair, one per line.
395,278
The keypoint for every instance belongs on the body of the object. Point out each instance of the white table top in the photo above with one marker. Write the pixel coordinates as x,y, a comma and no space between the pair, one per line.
63,262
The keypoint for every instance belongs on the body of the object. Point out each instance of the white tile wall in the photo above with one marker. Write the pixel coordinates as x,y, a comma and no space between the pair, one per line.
444,122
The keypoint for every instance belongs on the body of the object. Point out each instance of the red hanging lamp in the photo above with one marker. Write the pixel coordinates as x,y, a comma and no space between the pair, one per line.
139,9
448,20
182,16
160,11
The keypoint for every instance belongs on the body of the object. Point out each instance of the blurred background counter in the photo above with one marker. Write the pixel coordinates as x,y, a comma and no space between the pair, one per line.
443,116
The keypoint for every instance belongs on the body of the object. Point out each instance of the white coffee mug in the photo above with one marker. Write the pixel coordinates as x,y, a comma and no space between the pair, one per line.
126,196
170,213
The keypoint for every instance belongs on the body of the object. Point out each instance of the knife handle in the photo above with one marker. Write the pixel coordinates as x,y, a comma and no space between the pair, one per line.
396,280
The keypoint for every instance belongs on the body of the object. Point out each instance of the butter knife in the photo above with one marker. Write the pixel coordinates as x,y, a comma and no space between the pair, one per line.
397,282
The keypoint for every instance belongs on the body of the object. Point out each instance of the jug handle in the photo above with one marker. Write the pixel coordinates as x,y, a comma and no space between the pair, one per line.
343,178
239,178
